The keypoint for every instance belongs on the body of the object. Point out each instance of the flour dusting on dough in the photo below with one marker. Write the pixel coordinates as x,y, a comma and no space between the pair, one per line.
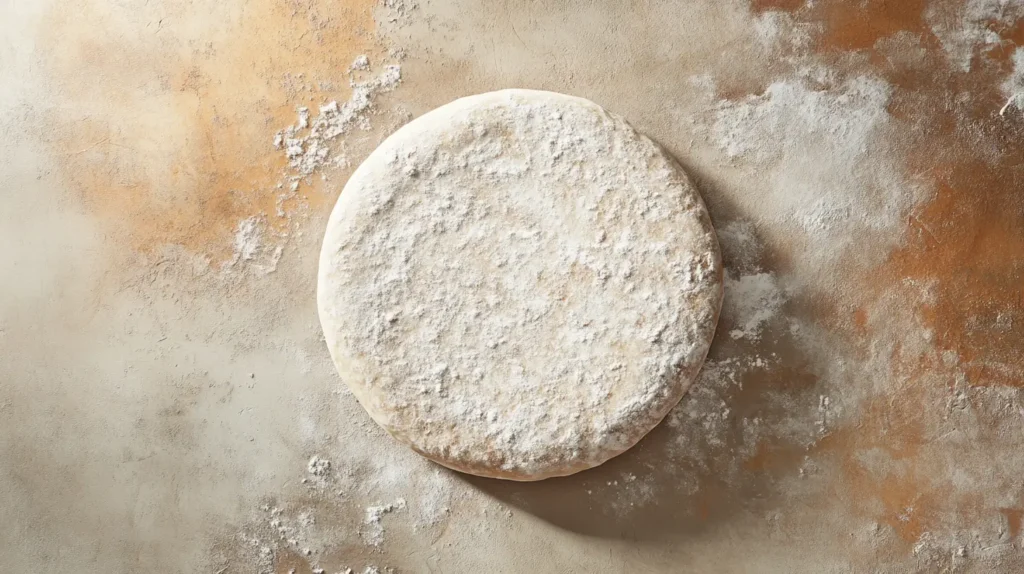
519,284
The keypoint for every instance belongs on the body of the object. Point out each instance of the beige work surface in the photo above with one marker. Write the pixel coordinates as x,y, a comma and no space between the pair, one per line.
167,403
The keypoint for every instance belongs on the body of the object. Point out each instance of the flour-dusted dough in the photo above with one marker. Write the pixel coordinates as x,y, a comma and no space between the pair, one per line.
519,285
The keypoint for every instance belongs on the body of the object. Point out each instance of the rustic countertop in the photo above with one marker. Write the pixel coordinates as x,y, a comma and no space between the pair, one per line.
166,400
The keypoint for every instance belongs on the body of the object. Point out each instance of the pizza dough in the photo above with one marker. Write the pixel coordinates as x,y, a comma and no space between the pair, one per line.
519,285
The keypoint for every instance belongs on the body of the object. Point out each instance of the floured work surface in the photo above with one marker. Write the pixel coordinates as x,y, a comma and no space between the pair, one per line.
169,406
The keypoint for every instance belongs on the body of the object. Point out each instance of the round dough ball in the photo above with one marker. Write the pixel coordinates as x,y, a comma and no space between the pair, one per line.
519,285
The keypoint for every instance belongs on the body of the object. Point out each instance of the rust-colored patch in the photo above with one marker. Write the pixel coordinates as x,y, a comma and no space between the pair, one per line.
906,493
858,25
1014,34
168,108
860,319
758,6
970,242
965,246
1013,519
848,26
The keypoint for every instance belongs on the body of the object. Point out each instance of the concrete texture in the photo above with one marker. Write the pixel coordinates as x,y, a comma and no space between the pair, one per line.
167,403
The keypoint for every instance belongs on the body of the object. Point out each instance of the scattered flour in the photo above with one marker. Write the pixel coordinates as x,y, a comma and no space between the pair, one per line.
740,246
436,492
360,63
398,11
1013,88
308,143
293,531
251,249
319,467
247,239
299,534
794,153
969,29
821,143
750,301
374,532
776,29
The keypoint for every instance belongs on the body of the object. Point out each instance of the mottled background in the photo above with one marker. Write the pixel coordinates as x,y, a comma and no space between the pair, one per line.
167,403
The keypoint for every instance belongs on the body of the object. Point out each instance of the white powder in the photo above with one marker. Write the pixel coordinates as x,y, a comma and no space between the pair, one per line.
703,424
247,239
308,143
821,141
967,30
373,534
740,246
816,162
280,531
326,515
764,127
360,63
319,467
374,513
261,556
435,500
398,11
774,28
750,301
252,249
1013,87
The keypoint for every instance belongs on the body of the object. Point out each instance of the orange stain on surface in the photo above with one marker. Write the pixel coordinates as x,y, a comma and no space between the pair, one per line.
858,25
966,246
902,494
970,242
1013,520
168,109
766,5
